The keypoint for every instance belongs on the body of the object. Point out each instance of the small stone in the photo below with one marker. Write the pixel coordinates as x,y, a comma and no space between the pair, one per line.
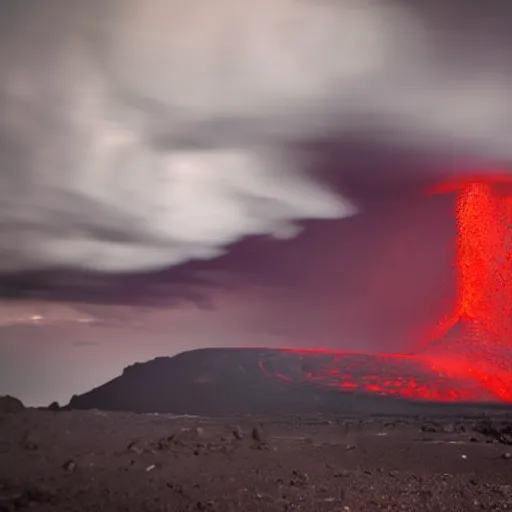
36,495
257,434
134,447
238,433
431,428
198,432
299,478
28,443
31,446
507,456
449,428
69,465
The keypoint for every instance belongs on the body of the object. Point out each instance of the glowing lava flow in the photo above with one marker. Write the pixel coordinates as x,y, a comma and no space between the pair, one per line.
468,357
395,375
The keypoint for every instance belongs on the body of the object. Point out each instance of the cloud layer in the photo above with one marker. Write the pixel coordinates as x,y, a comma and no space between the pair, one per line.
136,136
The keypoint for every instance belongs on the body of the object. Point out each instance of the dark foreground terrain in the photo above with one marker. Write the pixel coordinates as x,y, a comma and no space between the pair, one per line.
109,461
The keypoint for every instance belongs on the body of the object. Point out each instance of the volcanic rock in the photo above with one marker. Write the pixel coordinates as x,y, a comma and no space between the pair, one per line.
69,465
132,462
54,406
27,443
10,405
238,433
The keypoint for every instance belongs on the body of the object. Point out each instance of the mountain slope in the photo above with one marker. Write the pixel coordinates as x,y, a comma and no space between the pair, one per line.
224,381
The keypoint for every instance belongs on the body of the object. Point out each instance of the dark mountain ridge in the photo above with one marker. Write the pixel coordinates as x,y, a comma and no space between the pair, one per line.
237,381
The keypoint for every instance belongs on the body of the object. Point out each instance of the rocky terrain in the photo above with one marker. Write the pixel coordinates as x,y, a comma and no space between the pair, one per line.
256,430
114,461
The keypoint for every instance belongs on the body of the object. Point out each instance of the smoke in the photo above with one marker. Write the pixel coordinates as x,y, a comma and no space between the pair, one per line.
138,135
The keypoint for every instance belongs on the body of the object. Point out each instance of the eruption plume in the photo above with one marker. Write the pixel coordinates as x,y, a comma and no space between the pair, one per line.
468,356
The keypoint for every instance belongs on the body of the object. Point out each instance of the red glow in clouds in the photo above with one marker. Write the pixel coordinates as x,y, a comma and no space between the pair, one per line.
468,356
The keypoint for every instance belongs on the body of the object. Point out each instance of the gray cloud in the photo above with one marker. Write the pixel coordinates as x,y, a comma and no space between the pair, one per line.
134,138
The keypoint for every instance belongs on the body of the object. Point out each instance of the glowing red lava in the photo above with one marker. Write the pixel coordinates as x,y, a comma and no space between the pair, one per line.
468,355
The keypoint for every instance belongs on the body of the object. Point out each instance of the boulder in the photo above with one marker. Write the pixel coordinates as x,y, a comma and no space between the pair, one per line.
10,405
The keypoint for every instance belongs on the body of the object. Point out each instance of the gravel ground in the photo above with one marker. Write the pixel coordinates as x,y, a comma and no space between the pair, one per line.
93,460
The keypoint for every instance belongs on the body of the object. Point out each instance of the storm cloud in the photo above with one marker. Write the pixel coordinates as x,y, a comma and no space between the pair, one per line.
136,136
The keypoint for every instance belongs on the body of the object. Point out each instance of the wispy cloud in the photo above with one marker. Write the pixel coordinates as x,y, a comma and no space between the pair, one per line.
40,313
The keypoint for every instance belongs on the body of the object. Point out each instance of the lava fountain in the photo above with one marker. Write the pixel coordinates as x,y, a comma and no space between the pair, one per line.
468,355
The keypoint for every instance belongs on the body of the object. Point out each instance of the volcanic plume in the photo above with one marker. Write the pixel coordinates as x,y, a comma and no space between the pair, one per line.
467,356
477,333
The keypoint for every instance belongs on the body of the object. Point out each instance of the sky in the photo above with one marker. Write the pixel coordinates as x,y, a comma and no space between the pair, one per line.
216,174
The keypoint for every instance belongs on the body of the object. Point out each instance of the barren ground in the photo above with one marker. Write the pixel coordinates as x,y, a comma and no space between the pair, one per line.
94,460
